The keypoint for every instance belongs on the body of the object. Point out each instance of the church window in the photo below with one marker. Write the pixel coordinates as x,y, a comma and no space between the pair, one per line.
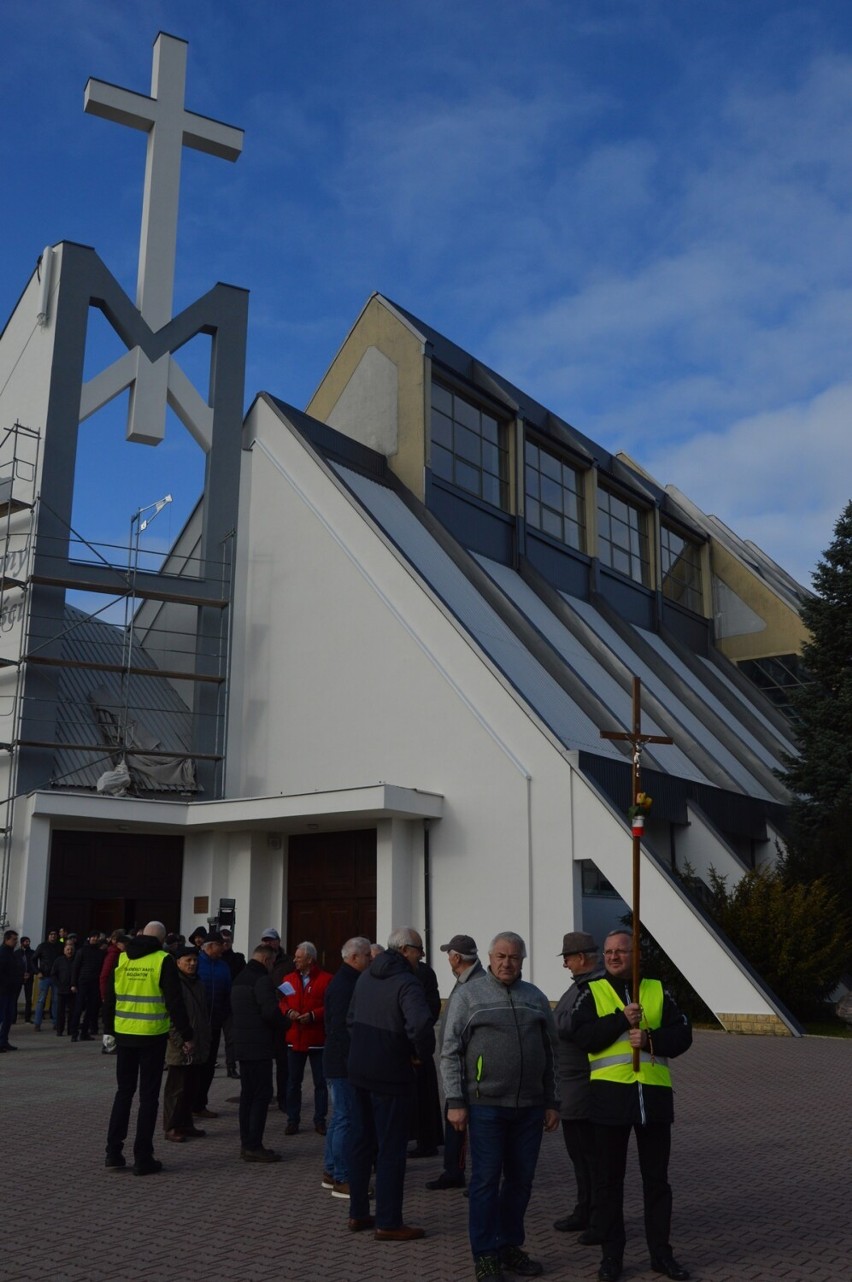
623,537
469,446
554,496
680,562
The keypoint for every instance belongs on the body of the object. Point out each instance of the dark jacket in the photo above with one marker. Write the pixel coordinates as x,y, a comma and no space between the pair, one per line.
11,977
254,1008
338,995
572,1063
88,961
234,961
431,988
62,971
25,961
196,1010
216,978
618,1103
170,985
46,954
389,1024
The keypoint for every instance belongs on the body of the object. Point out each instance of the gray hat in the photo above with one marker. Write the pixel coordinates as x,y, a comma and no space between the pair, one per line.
577,941
271,933
460,944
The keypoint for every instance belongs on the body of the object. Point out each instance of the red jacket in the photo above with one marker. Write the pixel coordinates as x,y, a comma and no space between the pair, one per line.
306,998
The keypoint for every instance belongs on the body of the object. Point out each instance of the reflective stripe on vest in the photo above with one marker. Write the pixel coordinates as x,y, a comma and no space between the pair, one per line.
615,1062
140,1007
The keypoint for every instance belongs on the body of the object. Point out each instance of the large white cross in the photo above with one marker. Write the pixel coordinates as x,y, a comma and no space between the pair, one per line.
170,128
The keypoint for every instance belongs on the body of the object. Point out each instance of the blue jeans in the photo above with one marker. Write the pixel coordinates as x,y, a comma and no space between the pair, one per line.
338,1139
45,985
383,1123
504,1145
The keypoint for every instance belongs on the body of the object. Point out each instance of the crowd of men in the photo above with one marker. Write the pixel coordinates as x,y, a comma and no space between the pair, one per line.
512,1068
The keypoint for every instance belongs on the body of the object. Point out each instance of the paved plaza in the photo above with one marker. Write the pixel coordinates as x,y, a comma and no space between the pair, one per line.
760,1170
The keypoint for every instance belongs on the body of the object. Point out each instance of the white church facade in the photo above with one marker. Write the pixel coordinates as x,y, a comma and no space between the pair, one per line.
388,708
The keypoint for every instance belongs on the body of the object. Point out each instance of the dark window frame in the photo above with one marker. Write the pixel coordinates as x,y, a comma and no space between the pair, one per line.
469,444
552,504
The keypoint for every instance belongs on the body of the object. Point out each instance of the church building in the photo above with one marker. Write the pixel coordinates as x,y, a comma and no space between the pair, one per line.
387,672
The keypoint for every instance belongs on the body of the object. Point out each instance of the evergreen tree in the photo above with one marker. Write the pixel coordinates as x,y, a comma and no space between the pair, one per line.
820,777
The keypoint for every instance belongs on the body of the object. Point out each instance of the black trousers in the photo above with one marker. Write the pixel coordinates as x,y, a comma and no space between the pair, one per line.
455,1151
207,1070
138,1060
255,1094
653,1144
86,1008
579,1136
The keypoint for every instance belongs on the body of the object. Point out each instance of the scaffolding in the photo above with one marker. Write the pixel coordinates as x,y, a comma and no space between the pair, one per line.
119,687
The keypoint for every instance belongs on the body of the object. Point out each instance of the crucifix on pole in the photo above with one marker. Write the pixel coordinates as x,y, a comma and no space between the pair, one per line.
637,741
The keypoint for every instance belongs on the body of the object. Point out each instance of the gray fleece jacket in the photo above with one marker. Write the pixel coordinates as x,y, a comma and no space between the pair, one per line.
499,1046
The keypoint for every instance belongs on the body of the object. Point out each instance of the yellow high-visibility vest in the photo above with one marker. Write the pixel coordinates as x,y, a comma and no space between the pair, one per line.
615,1063
140,1007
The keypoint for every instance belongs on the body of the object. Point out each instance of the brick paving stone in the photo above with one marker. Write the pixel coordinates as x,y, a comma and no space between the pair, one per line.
760,1172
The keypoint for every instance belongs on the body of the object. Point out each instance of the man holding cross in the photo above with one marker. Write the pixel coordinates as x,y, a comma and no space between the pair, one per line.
609,1025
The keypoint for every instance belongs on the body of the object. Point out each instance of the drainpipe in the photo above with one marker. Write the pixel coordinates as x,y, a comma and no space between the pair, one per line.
427,894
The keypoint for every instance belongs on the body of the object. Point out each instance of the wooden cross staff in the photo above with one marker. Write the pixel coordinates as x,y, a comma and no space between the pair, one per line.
637,741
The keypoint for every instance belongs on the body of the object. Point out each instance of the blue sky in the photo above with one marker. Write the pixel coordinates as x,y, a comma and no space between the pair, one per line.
637,210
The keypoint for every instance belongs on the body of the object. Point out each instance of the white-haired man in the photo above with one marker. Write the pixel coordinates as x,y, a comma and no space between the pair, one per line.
335,1062
389,1022
143,999
303,1006
498,1062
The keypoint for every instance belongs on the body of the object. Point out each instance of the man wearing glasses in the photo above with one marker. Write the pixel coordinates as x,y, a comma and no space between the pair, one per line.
389,1022
497,1062
608,1024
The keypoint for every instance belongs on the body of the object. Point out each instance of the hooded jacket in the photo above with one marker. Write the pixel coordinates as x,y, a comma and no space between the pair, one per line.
143,946
390,1024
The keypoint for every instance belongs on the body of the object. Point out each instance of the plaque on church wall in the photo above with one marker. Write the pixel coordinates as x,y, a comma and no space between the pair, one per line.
201,904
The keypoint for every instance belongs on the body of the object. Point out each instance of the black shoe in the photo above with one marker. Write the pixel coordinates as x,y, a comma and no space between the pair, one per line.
572,1223
147,1166
590,1238
514,1260
115,1162
445,1181
259,1155
320,1128
292,1128
610,1270
86,1037
668,1264
487,1267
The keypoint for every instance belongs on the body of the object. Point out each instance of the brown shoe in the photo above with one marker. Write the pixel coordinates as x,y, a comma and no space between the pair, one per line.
175,1137
405,1233
365,1222
260,1155
203,1112
192,1132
